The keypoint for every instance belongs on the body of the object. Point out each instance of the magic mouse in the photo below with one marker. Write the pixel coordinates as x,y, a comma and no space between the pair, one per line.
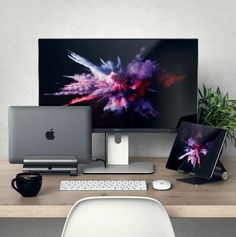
161,185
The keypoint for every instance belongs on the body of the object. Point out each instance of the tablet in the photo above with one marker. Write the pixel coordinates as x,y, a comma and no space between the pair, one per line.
196,149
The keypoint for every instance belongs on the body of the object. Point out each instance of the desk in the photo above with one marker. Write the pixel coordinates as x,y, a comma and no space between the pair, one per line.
183,200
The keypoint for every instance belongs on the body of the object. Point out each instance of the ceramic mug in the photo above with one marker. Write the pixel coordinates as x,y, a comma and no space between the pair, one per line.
27,184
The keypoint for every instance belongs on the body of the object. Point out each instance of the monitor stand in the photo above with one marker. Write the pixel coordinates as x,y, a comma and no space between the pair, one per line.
51,164
219,174
117,158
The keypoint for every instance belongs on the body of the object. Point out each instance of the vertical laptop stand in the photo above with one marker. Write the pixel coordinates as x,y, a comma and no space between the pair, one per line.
51,164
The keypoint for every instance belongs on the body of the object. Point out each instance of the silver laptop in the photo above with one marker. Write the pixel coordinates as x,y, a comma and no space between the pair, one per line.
50,134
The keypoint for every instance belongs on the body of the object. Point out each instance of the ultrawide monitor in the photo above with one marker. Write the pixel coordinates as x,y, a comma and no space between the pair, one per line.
132,85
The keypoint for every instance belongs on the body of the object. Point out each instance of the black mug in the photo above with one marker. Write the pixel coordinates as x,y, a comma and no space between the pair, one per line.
27,184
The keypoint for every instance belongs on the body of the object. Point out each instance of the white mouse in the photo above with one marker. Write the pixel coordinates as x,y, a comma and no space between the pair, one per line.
161,185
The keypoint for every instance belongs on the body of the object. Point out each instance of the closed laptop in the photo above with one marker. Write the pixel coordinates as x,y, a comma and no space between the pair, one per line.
49,131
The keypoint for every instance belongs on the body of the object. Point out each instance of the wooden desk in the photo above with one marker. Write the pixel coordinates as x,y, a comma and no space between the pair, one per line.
183,200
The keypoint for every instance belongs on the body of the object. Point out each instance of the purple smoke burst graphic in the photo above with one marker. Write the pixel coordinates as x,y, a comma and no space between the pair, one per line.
122,88
194,150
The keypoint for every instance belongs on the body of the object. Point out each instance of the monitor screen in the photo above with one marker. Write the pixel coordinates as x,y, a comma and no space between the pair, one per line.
131,84
196,149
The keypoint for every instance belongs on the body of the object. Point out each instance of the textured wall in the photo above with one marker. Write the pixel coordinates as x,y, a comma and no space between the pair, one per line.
23,22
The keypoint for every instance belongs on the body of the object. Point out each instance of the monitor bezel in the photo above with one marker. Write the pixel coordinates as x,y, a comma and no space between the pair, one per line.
134,130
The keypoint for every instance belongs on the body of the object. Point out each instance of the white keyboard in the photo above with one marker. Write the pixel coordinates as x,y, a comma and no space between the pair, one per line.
106,185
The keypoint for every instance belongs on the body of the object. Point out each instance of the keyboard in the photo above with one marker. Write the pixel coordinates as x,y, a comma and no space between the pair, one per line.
104,185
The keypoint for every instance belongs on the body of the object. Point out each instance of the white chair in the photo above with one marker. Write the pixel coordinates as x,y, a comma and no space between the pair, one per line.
118,217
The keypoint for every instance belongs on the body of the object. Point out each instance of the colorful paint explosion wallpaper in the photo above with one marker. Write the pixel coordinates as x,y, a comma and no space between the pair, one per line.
130,83
196,149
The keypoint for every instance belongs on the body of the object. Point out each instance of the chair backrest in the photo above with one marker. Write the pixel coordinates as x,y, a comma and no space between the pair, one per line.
118,217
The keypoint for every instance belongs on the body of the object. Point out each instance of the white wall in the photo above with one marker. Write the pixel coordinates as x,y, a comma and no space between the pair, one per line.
23,22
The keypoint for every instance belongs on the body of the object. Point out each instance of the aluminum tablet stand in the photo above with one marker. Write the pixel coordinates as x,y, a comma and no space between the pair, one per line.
219,174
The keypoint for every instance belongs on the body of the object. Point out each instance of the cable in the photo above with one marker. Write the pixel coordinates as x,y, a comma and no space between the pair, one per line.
103,160
98,159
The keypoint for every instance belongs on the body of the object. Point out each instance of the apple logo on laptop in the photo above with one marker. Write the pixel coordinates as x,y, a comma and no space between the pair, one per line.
50,134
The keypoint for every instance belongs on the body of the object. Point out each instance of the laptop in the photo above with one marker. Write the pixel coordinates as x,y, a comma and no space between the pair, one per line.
51,132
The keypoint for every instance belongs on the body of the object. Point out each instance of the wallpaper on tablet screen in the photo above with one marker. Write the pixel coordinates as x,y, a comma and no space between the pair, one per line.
194,148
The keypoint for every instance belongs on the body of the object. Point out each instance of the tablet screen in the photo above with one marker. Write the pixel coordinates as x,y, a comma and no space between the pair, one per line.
196,149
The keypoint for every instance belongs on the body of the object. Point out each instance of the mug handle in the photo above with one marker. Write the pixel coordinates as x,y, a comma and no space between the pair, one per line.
13,185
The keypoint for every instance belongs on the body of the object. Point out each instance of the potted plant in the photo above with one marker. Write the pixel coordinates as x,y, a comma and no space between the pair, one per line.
216,109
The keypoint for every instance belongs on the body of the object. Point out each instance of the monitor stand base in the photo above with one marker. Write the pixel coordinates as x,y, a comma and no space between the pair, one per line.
219,174
132,168
117,158
51,164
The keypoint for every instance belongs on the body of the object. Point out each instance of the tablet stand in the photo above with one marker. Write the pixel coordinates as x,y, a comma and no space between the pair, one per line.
219,174
51,164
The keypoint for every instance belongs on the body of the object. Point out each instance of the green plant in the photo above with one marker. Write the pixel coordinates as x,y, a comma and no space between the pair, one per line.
216,109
